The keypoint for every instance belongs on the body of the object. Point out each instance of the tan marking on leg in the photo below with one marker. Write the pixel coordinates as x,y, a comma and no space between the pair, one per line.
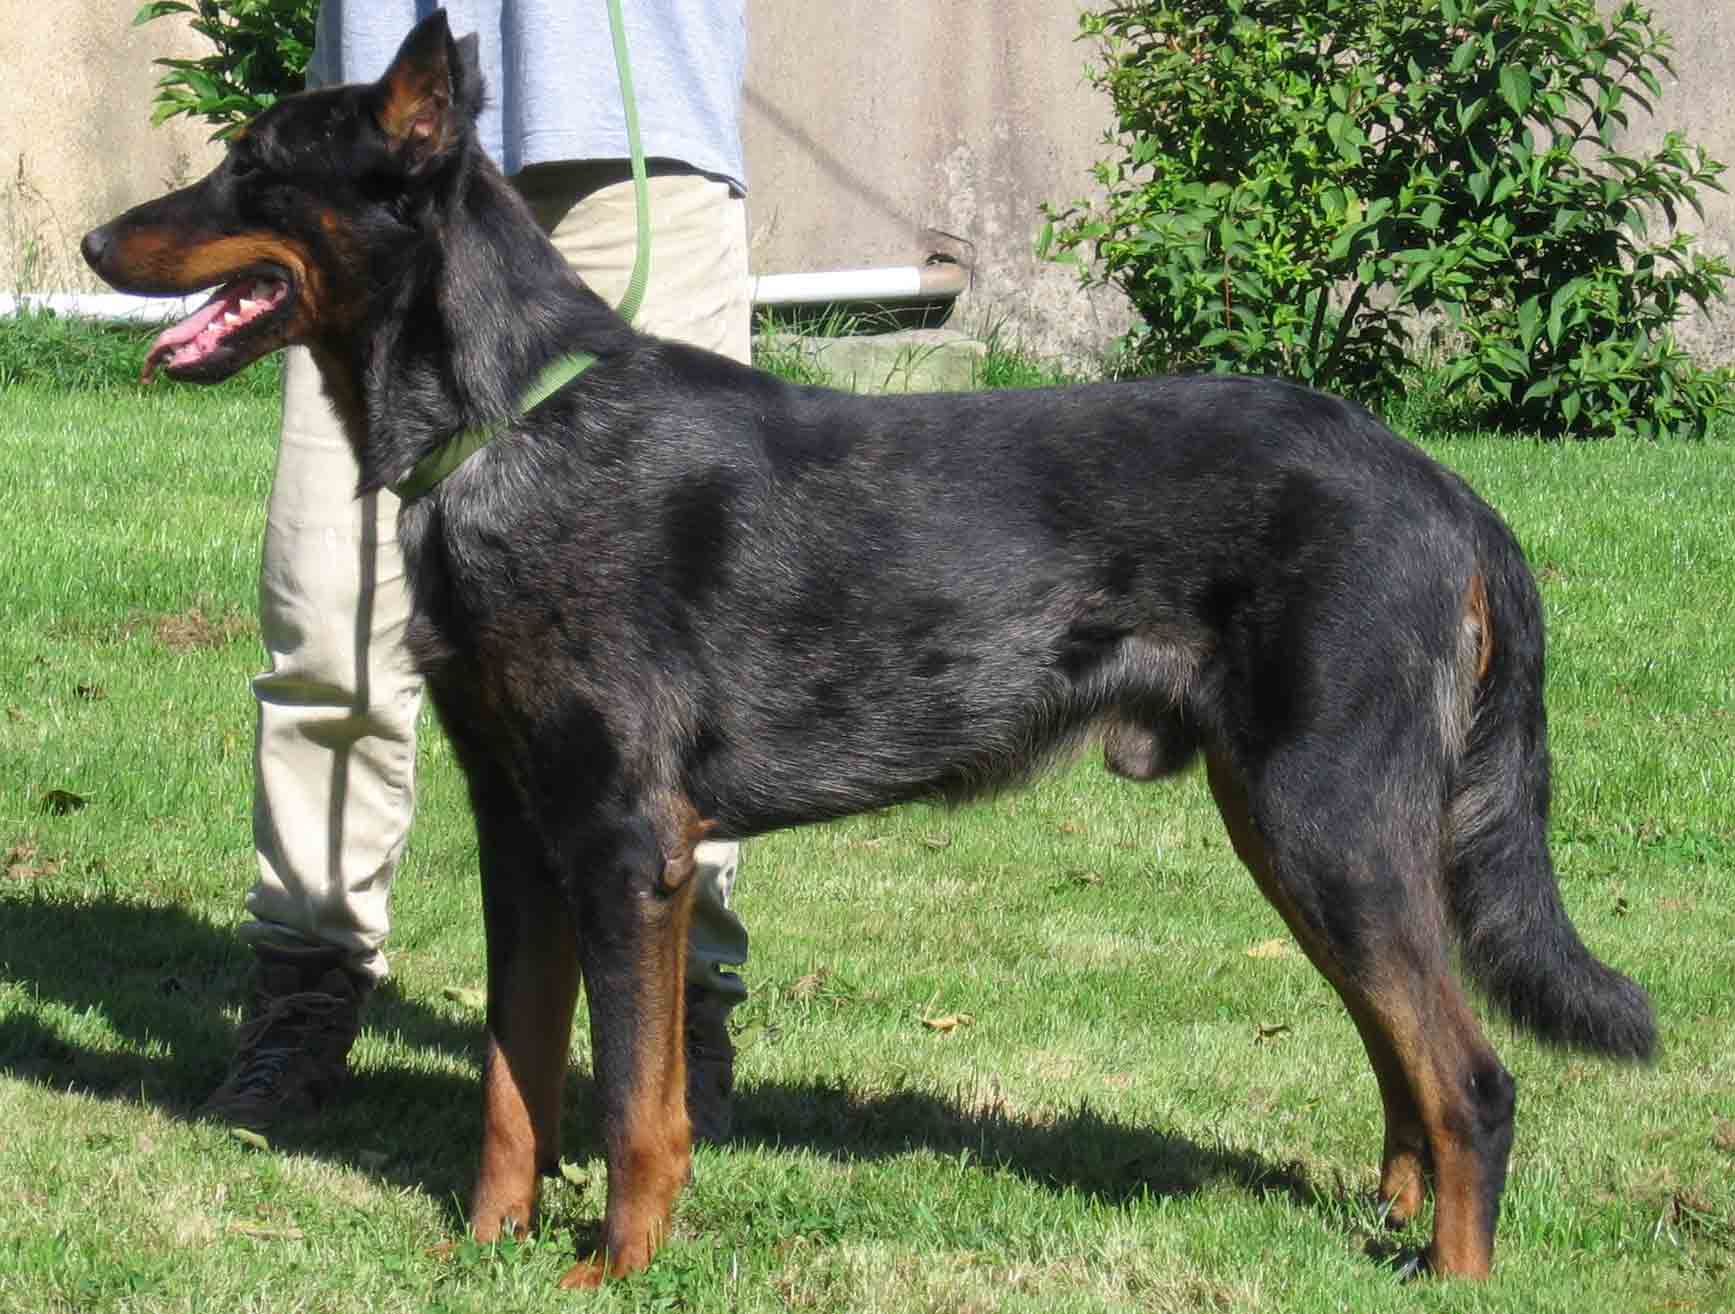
690,830
650,1150
1423,1108
524,1070
1440,1051
1402,1178
504,1197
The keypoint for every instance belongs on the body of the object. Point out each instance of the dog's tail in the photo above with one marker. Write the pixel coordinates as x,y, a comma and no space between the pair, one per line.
1517,941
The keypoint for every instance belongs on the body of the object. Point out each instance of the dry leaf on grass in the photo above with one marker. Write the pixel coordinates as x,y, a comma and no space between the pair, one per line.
1272,949
23,863
467,996
951,1022
193,629
260,1233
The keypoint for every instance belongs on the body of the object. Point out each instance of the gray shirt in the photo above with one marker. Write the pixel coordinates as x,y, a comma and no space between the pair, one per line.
553,91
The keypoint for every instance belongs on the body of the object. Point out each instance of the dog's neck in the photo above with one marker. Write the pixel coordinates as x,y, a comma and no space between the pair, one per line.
477,305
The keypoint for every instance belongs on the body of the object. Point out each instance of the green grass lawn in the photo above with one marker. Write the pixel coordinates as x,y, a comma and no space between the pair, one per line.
1149,1106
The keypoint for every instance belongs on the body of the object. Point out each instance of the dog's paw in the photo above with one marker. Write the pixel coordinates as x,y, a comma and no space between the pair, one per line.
587,1275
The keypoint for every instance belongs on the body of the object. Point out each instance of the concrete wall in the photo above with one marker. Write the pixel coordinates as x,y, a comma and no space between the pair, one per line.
877,131
880,130
1699,101
76,142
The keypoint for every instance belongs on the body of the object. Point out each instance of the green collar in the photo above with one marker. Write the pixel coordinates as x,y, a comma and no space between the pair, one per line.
452,453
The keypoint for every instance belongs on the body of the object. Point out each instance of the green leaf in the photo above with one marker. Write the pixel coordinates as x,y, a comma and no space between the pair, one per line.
1336,123
157,8
1559,306
1345,239
1544,387
1529,322
1045,240
201,83
1515,87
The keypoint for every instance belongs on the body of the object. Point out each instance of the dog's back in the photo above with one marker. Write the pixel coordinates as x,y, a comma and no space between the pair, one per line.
856,601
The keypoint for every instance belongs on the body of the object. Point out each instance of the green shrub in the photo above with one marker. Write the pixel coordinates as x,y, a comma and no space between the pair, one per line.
261,53
1297,185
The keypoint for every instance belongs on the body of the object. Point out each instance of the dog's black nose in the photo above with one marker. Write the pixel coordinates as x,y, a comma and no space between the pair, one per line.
94,246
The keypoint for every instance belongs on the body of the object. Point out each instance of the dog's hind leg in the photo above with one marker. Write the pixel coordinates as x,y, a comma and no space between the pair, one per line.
1377,934
633,910
532,989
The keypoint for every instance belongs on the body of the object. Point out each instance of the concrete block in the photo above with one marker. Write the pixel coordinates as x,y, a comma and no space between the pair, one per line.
913,360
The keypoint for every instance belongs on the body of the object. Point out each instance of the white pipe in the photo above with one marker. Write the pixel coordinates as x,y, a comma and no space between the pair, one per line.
103,305
939,281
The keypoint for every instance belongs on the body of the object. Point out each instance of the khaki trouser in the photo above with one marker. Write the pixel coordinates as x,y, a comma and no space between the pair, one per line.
336,750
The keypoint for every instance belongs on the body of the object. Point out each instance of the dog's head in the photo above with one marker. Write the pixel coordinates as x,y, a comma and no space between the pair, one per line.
314,204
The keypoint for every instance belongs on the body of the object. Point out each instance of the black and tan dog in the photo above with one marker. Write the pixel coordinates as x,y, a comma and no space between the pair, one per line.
679,598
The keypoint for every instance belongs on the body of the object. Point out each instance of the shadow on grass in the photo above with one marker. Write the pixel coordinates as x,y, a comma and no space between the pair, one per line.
160,985
155,986
1080,1150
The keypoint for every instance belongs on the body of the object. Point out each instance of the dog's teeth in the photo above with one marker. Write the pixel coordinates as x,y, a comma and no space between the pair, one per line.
230,319
248,305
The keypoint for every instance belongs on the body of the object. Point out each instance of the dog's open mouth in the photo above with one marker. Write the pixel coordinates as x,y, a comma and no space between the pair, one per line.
223,334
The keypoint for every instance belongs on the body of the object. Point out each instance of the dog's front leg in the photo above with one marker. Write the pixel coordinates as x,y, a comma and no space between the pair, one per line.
532,988
633,914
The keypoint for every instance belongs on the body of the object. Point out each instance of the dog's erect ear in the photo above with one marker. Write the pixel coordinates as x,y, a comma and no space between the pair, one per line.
467,77
430,93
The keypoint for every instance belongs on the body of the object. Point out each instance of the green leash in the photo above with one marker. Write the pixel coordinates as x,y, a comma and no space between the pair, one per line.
449,455
635,293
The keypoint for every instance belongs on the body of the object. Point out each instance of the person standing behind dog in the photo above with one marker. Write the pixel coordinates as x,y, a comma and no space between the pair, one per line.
334,782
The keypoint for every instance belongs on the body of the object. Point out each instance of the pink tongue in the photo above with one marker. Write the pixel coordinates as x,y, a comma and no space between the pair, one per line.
181,341
224,298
